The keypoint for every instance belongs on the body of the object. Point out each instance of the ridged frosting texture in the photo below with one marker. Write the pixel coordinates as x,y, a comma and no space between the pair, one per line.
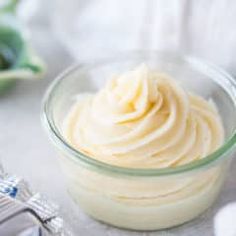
143,119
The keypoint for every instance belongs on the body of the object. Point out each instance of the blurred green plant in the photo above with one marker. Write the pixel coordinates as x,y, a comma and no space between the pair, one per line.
17,59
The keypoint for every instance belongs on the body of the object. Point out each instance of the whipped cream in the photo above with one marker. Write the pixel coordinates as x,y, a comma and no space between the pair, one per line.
144,119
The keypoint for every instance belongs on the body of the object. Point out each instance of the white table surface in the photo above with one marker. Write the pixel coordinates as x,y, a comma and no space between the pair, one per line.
26,151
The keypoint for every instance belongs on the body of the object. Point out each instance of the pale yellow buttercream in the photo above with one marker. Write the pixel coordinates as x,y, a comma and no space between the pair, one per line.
144,119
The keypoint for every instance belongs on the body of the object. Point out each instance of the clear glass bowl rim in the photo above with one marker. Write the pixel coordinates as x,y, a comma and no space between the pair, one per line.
51,128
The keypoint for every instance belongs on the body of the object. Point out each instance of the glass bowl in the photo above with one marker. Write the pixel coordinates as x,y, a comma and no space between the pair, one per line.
143,199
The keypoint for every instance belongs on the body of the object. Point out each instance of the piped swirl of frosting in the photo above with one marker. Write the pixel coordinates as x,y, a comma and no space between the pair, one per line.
143,119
